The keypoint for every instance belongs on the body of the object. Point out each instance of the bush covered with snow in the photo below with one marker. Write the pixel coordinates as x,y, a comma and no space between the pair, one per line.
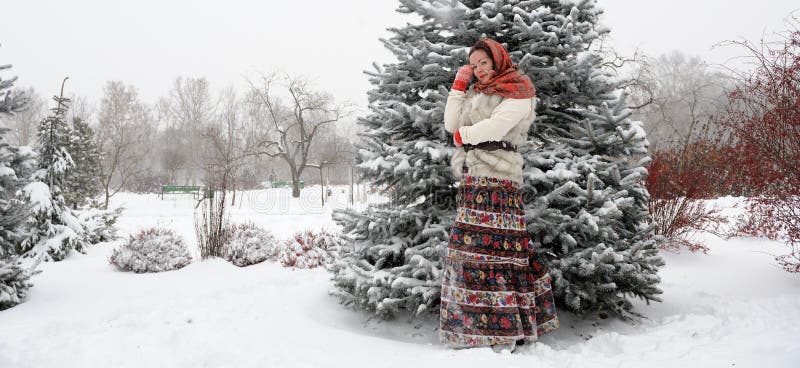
308,249
14,283
54,229
248,244
152,250
100,225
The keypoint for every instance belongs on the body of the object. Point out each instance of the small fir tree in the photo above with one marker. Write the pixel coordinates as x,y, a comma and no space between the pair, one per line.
82,183
55,228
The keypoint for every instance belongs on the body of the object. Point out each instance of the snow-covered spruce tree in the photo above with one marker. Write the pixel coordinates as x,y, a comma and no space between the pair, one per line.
55,228
14,279
13,212
585,202
82,183
14,282
100,224
10,102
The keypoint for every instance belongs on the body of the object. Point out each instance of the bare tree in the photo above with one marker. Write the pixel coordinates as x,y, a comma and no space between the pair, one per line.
679,96
188,111
81,108
254,128
335,152
346,152
24,123
324,152
295,121
172,157
169,149
225,148
124,129
191,104
162,113
223,154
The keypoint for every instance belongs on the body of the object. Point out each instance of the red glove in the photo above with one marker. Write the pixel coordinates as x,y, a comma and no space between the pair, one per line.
457,138
463,76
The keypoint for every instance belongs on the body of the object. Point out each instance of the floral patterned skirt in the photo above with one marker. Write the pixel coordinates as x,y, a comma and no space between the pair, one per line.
493,289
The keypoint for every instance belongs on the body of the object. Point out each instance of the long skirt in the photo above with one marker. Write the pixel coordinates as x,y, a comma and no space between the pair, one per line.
494,291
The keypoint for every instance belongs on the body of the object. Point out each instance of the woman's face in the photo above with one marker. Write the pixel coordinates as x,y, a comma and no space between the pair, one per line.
482,64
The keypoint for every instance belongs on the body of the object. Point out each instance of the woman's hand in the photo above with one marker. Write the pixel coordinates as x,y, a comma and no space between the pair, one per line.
463,75
457,138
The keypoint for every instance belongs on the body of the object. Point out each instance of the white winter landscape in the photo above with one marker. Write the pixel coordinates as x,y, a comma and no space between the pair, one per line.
731,308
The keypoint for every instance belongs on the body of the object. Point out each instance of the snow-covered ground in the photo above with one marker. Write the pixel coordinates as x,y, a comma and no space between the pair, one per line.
731,308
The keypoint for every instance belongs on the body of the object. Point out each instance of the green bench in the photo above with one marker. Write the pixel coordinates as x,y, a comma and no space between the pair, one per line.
195,190
284,183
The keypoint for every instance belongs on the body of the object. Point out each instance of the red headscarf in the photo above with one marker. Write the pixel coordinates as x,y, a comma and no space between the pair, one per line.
508,80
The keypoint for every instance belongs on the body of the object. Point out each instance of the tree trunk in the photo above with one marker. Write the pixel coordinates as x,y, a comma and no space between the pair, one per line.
295,188
295,181
322,186
351,185
233,188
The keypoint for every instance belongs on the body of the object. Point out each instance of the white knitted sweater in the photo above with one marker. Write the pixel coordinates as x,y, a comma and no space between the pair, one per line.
480,118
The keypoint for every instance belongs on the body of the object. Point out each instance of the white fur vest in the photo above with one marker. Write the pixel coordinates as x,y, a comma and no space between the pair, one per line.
479,118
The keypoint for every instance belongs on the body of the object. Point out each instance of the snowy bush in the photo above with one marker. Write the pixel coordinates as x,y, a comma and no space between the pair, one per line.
248,244
211,225
152,250
99,224
307,249
14,283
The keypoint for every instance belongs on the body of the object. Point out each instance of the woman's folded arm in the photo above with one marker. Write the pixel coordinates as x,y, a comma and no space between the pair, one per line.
504,117
452,110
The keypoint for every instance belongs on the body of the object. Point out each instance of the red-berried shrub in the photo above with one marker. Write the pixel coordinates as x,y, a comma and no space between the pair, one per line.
678,181
764,122
701,169
248,244
307,249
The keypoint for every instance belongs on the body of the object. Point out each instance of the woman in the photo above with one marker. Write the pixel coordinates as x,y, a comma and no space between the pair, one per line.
493,292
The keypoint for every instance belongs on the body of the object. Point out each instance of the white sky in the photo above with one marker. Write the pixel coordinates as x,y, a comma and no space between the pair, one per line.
148,43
